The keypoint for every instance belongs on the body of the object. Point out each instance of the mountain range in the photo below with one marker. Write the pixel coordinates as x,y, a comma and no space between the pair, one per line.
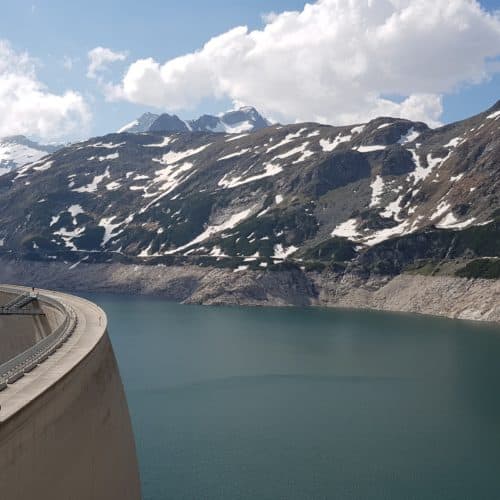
385,197
245,119
18,150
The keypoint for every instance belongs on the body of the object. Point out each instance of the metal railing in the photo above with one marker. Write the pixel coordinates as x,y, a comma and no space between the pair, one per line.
17,303
26,361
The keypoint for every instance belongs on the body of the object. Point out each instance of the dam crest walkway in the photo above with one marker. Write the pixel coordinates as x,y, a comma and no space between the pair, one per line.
34,371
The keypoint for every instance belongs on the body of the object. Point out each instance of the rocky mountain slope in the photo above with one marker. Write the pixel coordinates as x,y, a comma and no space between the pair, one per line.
246,119
139,125
379,198
17,150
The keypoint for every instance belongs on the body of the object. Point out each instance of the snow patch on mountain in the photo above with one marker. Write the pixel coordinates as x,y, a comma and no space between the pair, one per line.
92,186
270,169
410,136
281,252
231,222
17,151
494,116
369,149
347,229
107,145
75,210
328,145
176,156
165,142
377,190
43,166
292,152
235,154
453,143
384,234
451,222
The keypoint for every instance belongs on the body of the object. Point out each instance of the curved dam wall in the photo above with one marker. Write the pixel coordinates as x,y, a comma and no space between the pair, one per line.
65,431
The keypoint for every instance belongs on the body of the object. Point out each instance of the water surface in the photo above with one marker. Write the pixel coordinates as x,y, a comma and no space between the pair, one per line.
242,403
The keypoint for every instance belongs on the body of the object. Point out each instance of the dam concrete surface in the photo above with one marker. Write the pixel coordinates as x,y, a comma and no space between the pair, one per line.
65,430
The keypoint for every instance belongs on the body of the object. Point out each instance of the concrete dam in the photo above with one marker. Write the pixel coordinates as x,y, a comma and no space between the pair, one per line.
65,431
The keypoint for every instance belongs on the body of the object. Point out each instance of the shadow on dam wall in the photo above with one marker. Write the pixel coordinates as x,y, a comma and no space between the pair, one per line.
73,441
18,333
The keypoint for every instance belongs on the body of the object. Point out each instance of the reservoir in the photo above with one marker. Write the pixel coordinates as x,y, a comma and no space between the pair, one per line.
281,403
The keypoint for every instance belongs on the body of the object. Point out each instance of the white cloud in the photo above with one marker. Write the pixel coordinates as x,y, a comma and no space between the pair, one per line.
99,58
334,61
28,107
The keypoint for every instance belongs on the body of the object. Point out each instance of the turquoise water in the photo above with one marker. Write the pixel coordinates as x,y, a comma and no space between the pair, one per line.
236,403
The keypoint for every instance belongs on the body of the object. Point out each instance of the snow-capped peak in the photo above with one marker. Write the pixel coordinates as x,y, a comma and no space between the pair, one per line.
141,124
244,119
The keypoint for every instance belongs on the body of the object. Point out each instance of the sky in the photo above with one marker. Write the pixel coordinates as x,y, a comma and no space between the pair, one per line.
69,70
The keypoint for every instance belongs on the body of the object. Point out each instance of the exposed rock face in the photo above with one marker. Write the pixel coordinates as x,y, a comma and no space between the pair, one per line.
475,299
142,124
169,123
341,169
281,288
397,161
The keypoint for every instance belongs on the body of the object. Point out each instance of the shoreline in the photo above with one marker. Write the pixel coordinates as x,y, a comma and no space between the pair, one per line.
445,296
